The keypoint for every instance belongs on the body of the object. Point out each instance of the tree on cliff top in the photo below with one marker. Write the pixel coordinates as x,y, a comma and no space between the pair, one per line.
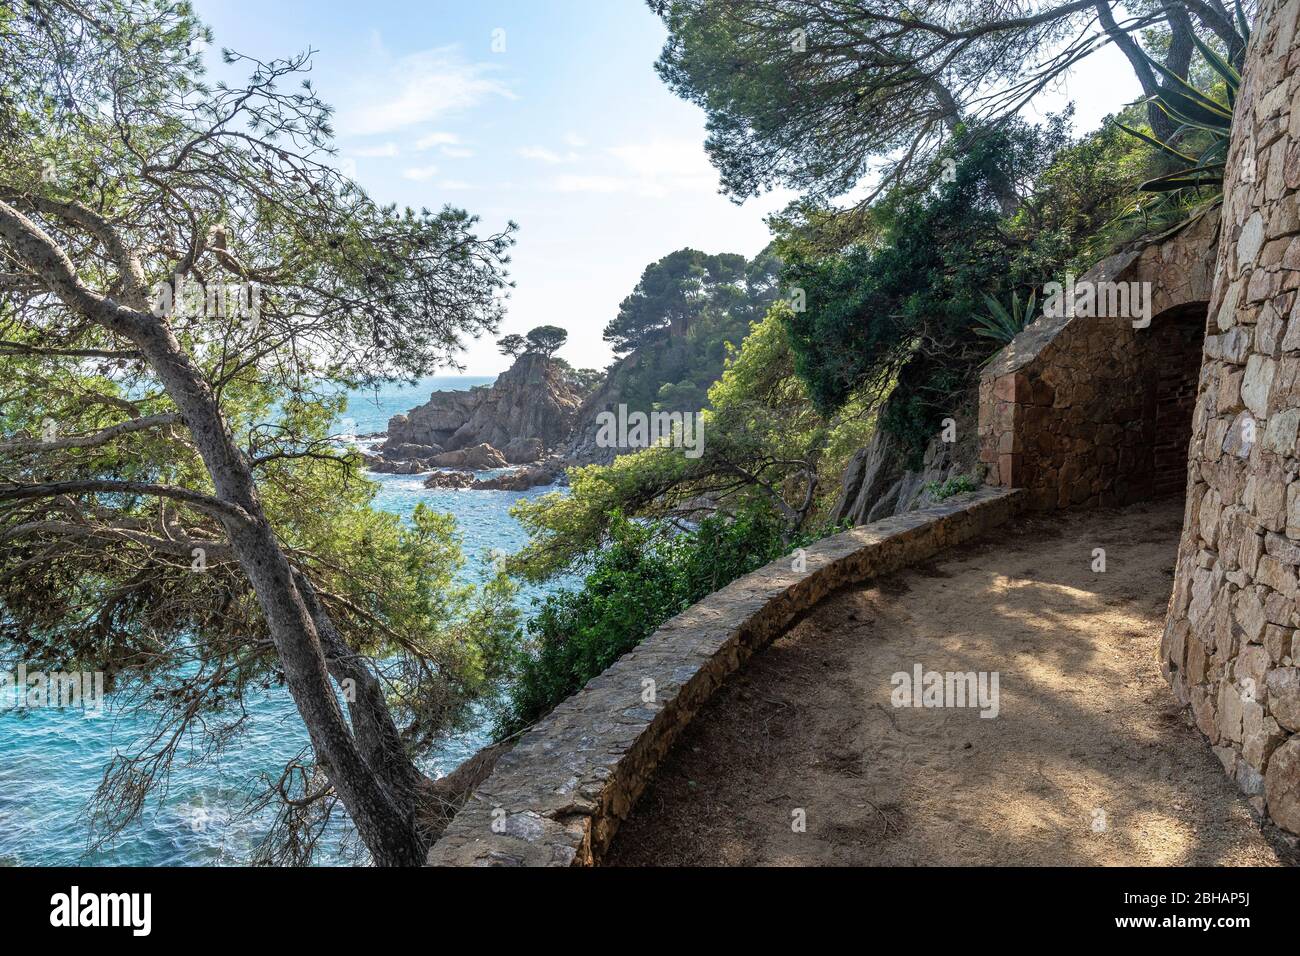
547,339
714,298
181,267
513,345
671,295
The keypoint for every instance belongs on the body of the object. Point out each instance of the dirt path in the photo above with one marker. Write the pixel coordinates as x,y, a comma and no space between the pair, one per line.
1088,761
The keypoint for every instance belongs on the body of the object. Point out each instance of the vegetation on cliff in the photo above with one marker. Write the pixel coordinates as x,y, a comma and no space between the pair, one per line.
687,312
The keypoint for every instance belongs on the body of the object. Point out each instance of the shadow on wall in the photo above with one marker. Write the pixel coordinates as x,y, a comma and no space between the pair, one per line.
1231,649
1089,411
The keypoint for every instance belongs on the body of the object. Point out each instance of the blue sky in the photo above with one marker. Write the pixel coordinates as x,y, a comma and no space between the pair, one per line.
547,113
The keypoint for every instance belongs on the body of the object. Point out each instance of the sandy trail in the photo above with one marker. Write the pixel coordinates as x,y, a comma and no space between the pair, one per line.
1089,761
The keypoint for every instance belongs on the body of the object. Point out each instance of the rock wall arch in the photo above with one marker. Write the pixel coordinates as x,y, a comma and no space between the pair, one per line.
1091,411
1230,647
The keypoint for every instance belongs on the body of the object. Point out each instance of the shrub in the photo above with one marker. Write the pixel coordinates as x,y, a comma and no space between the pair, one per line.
647,572
956,485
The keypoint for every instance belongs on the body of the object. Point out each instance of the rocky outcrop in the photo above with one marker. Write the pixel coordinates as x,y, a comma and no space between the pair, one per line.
521,479
877,482
477,458
581,449
450,479
409,451
527,410
432,424
517,479
404,466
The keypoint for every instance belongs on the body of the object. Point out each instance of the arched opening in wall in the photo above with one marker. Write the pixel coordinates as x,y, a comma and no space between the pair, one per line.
1172,371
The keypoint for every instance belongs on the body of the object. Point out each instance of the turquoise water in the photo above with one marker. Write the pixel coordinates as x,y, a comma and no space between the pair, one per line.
51,760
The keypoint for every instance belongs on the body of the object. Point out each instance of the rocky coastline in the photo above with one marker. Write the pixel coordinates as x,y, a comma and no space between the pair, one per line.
524,419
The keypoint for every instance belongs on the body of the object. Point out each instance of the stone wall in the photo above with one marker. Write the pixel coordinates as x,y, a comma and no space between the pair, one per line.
1231,648
1088,411
559,796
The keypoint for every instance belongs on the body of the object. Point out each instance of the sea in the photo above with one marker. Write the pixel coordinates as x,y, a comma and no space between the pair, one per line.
51,759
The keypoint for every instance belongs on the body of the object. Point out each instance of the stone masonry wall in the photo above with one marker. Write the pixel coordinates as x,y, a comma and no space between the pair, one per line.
1231,648
558,797
1087,411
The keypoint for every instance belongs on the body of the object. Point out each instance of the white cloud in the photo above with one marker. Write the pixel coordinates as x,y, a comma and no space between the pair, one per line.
430,140
544,155
374,152
652,170
420,173
448,144
675,163
395,94
591,184
574,140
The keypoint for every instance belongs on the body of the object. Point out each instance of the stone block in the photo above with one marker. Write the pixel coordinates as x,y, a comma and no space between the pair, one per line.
1284,697
1282,785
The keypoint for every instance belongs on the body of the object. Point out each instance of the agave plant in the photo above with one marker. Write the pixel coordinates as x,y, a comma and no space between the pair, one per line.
1195,112
1002,325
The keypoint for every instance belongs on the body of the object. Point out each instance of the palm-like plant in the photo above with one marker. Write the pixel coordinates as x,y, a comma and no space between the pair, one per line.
1002,325
1199,116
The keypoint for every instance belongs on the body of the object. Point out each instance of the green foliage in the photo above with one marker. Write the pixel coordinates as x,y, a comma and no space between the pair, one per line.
685,314
512,345
645,573
1195,112
821,97
906,295
888,309
546,339
671,295
395,590
584,381
764,443
1069,219
1001,325
956,485
1198,146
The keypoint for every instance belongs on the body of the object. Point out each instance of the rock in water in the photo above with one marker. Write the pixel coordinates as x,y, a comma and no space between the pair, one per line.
450,479
477,458
529,409
521,479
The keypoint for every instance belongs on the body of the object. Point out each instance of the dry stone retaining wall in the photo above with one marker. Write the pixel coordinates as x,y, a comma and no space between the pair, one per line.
1090,411
1231,649
559,796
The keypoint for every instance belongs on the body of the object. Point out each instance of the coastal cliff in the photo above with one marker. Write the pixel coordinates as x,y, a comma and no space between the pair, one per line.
529,410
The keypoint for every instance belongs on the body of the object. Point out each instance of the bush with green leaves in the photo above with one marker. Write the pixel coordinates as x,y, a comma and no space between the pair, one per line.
956,485
891,290
905,297
646,572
